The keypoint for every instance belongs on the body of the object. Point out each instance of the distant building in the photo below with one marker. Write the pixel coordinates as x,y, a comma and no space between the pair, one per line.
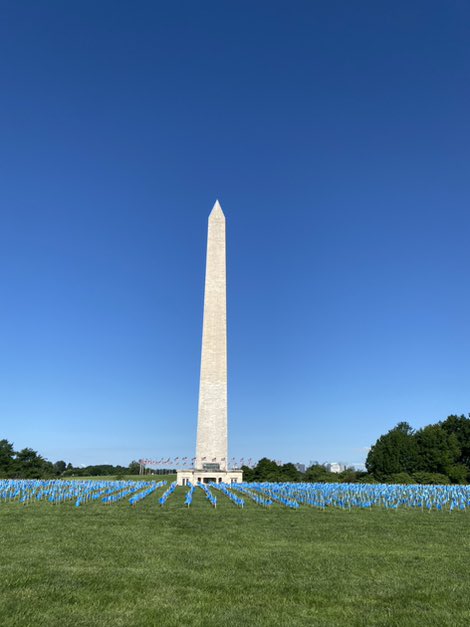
300,467
335,467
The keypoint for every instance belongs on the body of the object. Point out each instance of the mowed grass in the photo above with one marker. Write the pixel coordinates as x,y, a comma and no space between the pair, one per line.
116,565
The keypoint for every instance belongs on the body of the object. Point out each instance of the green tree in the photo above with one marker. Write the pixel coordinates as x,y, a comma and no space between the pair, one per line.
6,458
394,452
367,479
134,468
266,470
430,478
288,472
29,464
59,467
319,474
350,475
248,473
460,427
437,449
401,477
458,473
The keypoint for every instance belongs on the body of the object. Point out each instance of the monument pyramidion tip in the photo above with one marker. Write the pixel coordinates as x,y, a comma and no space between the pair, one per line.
216,211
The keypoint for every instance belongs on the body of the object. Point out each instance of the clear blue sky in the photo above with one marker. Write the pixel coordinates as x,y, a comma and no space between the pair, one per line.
336,136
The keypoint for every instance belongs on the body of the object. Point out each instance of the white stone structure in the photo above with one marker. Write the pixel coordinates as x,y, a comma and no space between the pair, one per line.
211,446
211,462
335,467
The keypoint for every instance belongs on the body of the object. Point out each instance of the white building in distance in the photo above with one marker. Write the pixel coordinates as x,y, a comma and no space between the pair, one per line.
335,467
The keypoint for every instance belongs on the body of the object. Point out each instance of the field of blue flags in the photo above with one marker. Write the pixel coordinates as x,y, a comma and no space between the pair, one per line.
28,491
345,496
354,495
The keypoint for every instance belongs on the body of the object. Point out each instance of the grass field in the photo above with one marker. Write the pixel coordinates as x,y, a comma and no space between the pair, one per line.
114,565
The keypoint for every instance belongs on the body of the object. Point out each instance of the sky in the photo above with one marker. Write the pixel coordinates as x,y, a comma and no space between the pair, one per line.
336,136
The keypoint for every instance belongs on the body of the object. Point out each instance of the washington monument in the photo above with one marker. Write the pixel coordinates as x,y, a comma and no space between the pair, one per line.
211,462
211,447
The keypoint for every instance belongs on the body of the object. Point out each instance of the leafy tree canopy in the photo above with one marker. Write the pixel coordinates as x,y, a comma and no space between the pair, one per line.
394,452
437,452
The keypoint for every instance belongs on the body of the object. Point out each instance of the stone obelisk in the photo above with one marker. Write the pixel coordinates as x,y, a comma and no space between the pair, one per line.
211,462
211,446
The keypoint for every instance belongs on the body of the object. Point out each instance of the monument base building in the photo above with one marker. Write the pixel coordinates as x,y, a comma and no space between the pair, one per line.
208,476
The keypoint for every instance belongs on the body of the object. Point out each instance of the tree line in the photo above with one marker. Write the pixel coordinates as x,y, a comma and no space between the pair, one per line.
269,470
29,464
438,453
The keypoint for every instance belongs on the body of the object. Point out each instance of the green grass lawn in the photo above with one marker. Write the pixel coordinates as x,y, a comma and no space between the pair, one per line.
114,565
